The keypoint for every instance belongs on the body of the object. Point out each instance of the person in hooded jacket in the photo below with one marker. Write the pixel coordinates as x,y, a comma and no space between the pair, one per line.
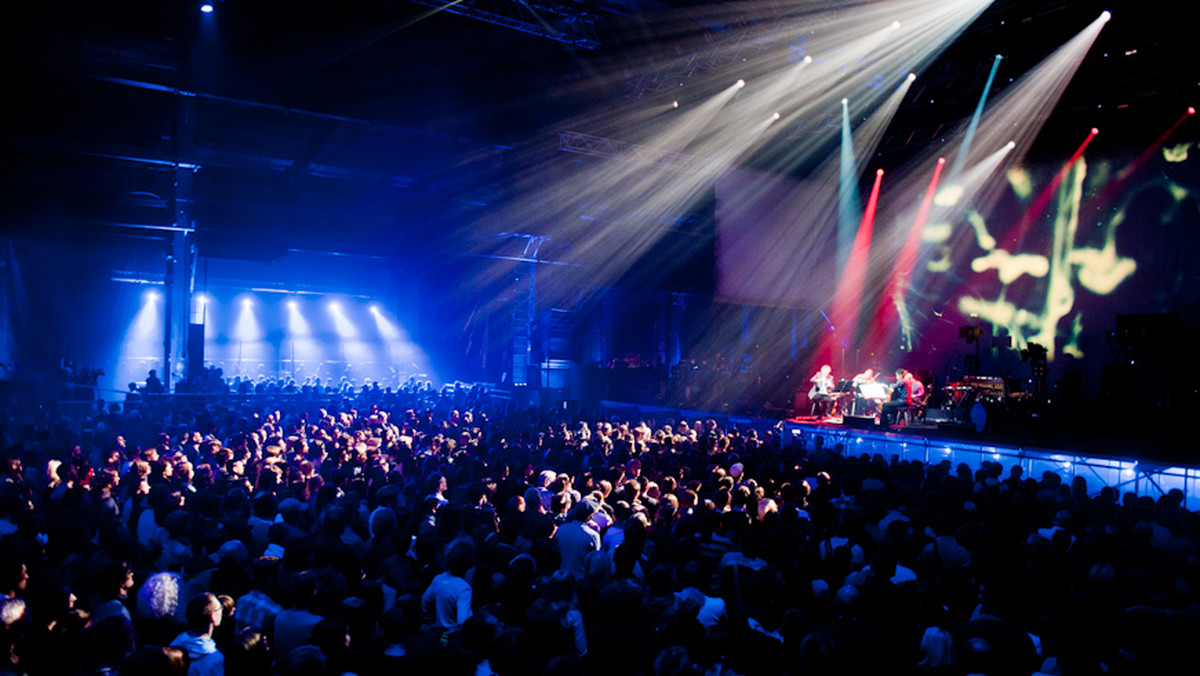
204,613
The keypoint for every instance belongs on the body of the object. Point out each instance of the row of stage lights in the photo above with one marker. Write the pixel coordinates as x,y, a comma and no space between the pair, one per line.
202,301
740,84
292,304
245,325
1105,17
248,333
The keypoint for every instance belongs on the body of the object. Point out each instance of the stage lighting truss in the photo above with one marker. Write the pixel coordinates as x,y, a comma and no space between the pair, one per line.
598,146
563,24
532,246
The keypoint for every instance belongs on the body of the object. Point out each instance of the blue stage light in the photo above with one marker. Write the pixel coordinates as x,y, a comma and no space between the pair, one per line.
341,323
296,323
207,8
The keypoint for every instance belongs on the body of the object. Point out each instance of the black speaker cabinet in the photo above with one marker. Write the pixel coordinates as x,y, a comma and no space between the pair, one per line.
858,421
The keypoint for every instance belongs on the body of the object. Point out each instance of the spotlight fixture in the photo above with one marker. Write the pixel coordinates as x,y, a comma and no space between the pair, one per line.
246,302
207,8
845,102
741,83
1010,145
912,76
292,304
1095,131
674,104
879,172
807,58
775,116
895,25
1105,15
1191,110
941,161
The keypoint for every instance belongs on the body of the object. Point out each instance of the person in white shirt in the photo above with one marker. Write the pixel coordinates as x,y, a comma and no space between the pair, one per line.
576,538
447,600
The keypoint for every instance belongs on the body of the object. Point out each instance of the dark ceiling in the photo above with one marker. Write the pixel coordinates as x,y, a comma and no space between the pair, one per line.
384,127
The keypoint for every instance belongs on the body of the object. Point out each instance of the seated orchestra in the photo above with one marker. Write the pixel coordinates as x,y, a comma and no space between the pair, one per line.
864,395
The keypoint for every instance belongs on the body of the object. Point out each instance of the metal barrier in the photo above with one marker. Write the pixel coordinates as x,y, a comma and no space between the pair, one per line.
1126,475
1141,477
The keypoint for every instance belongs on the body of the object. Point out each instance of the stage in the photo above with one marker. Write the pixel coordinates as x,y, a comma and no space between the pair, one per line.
1126,465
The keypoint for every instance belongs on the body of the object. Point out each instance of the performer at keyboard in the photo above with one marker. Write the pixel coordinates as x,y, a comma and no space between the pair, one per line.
908,391
821,393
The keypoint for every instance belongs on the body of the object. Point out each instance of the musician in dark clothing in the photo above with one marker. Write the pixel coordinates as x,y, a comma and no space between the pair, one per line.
153,384
902,395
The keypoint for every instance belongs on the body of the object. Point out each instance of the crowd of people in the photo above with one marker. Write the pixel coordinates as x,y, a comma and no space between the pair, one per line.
448,533
336,381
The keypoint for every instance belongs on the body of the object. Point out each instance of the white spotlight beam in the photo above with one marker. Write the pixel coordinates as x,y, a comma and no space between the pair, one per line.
841,51
716,51
599,146
1020,112
868,134
864,64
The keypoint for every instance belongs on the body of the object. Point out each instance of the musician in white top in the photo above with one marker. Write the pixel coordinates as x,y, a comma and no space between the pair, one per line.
821,392
865,398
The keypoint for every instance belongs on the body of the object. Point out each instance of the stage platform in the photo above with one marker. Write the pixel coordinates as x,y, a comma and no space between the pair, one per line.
1121,463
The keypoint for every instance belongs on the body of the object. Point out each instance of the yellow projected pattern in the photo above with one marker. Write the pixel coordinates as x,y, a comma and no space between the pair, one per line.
1059,272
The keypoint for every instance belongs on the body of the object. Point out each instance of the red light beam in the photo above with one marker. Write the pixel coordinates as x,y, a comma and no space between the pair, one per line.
1039,204
886,310
1151,149
847,299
